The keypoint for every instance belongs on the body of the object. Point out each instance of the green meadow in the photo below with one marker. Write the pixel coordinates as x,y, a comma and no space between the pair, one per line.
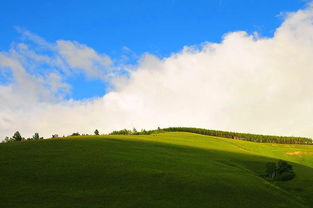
173,169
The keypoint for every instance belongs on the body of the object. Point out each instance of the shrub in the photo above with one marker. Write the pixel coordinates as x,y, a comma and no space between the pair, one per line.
7,139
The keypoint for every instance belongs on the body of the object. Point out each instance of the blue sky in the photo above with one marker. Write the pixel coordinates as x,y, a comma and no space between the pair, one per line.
158,27
123,64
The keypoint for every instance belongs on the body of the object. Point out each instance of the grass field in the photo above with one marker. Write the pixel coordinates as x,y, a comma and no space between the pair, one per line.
163,170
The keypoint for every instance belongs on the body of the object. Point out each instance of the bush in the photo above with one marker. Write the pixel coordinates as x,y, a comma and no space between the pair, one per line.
122,132
7,139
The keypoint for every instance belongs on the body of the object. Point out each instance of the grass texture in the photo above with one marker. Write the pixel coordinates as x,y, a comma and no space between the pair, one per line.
173,169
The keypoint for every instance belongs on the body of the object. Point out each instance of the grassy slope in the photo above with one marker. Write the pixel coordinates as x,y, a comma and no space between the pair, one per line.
165,170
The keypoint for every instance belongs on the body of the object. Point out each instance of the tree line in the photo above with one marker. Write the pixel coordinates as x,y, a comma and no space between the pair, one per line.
225,134
135,132
17,137
244,136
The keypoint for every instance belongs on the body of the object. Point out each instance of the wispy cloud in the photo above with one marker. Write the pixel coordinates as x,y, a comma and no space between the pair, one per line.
81,57
245,83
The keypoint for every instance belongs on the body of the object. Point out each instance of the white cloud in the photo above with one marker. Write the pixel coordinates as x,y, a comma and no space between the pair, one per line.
26,88
79,56
245,83
69,56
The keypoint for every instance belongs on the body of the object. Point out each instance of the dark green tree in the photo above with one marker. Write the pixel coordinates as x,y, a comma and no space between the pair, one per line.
283,166
285,171
17,136
282,171
271,170
36,136
96,132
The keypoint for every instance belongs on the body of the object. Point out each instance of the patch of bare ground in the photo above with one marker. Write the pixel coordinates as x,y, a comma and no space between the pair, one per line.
299,153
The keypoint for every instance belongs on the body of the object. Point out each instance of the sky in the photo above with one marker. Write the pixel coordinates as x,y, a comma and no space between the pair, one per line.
74,66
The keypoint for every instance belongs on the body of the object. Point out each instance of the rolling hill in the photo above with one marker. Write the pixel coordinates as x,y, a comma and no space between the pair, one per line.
172,169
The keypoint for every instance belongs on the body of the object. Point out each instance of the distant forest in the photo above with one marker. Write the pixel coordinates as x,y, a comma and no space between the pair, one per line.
226,134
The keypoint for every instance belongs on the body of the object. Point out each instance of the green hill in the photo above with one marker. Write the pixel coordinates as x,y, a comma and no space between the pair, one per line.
173,169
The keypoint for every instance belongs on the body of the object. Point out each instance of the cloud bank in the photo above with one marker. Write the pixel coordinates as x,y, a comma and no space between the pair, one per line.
246,83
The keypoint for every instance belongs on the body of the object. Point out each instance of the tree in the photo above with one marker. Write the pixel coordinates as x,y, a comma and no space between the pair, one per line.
282,171
96,132
143,132
36,136
7,139
285,171
17,137
135,132
283,166
271,170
